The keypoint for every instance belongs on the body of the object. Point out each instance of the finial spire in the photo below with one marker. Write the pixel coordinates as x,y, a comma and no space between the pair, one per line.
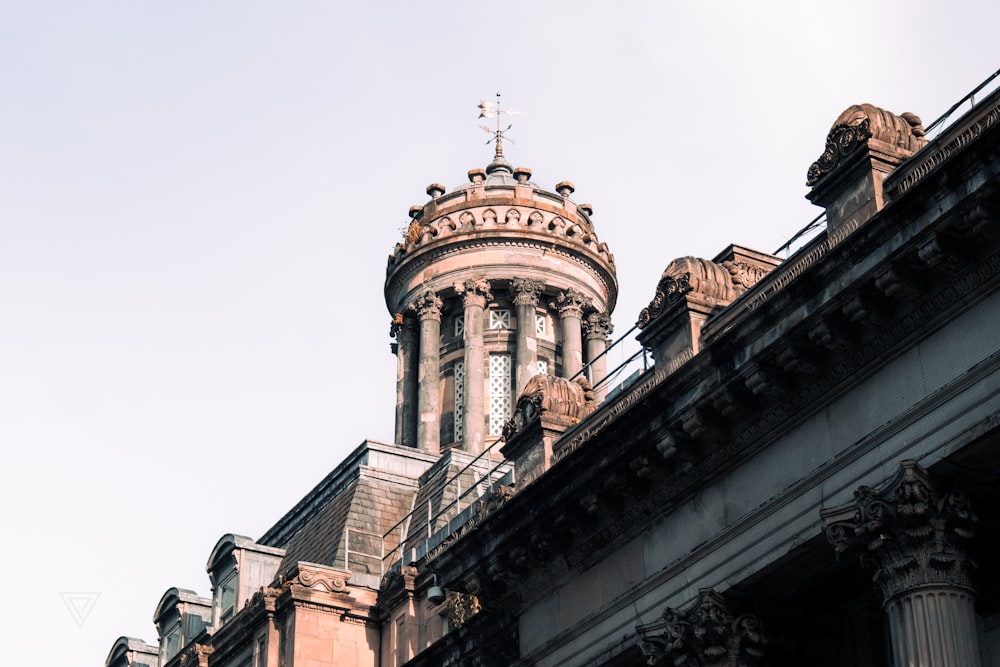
491,110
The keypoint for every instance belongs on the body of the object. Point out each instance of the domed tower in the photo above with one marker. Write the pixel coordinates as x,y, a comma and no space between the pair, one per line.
494,282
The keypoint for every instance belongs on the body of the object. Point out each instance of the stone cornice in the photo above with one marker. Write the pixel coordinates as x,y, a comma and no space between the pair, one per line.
403,273
659,442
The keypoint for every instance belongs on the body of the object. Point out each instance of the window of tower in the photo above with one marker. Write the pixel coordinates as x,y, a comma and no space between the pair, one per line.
540,326
459,326
543,367
459,412
499,319
499,392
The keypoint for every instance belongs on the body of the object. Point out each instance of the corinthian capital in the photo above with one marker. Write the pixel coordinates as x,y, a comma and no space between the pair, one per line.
570,303
474,292
525,291
597,325
705,634
907,530
427,306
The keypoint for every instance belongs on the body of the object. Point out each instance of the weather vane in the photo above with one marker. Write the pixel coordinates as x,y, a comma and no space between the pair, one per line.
491,110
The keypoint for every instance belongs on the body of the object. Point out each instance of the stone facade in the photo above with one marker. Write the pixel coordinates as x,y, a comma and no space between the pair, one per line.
809,474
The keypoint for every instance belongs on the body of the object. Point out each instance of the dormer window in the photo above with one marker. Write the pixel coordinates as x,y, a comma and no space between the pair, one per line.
171,644
227,597
499,319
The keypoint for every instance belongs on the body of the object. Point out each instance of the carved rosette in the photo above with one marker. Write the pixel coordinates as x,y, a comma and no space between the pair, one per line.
570,303
474,292
855,126
526,291
597,325
705,635
912,534
427,306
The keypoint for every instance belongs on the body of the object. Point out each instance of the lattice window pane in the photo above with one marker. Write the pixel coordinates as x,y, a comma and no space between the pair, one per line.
499,392
459,400
543,367
459,326
499,319
539,324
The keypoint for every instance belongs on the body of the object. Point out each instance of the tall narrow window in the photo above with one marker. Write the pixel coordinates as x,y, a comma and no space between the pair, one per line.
543,367
499,392
459,326
459,400
539,324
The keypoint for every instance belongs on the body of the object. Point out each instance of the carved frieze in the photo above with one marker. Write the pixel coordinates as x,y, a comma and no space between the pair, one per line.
909,531
706,634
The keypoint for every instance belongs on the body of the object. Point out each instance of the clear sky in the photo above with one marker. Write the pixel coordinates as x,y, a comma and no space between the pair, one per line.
197,200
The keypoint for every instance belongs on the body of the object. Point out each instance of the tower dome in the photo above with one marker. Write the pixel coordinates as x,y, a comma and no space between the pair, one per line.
494,282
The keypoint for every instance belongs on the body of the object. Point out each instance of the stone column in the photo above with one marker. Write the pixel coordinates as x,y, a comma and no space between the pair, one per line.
526,293
596,329
570,304
475,295
427,306
404,330
915,538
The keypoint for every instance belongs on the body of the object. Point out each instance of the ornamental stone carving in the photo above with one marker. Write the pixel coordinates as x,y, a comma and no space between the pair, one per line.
548,393
474,292
706,634
570,303
685,275
859,123
909,532
403,328
427,306
526,291
597,325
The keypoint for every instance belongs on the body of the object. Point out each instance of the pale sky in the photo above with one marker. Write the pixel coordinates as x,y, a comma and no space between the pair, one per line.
197,200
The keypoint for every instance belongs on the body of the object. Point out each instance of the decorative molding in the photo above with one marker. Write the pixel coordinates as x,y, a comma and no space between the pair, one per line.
910,532
492,502
706,634
942,153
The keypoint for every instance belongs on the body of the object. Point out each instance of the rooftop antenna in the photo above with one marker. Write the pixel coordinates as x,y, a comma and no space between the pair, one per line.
495,110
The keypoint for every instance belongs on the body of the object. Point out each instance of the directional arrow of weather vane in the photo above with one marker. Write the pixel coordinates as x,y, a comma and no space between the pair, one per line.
495,110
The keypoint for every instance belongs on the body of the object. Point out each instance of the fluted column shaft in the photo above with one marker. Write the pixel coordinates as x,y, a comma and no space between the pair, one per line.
475,295
934,625
428,308
915,537
526,294
596,329
569,304
404,330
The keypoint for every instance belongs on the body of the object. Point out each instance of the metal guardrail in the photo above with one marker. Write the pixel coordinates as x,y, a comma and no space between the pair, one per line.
630,364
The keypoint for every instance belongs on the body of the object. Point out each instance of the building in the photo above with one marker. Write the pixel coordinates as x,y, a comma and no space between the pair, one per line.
808,474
